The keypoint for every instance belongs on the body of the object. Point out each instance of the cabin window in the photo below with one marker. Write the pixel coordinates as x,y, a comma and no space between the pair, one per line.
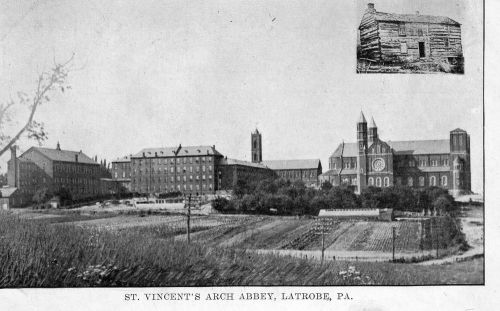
402,29
386,181
420,31
446,42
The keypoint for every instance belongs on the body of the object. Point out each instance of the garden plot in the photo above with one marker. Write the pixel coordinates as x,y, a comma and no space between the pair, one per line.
349,236
272,235
127,221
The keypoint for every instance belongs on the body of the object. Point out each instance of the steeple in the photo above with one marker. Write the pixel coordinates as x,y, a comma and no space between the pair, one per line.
372,132
362,118
362,134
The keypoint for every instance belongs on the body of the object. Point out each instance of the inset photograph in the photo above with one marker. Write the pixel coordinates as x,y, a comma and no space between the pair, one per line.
393,39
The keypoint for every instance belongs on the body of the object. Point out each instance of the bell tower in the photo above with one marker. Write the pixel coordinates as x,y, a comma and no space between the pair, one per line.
362,139
256,147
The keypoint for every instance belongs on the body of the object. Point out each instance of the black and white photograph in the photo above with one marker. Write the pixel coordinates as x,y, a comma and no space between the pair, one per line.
411,42
228,150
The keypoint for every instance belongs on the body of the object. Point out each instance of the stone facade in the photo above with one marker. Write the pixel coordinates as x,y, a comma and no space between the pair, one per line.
373,162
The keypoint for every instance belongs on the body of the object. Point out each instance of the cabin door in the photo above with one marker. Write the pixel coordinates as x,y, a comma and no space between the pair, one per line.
421,49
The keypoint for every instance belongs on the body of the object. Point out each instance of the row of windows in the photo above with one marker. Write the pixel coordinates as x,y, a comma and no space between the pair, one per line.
421,181
184,178
423,163
296,174
172,188
172,169
166,161
83,169
378,181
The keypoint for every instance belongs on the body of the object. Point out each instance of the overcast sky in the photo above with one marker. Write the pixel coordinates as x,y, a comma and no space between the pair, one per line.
160,73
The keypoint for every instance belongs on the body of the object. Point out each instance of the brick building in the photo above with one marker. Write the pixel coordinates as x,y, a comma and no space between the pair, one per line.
191,169
231,171
416,163
53,169
121,173
305,170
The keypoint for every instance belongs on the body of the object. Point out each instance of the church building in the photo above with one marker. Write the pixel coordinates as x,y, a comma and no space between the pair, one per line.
373,162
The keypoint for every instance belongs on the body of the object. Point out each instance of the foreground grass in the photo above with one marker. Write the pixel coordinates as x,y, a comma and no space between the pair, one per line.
35,254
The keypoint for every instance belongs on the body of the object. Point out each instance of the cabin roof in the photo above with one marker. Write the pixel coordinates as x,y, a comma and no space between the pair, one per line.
413,18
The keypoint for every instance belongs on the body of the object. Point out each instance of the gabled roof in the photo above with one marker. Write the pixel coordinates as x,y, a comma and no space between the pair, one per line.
228,161
350,150
7,191
63,155
292,164
170,151
413,18
441,146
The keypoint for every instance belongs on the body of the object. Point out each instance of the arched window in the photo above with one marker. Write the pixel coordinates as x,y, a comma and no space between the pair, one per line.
386,181
370,181
410,182
432,181
379,182
444,181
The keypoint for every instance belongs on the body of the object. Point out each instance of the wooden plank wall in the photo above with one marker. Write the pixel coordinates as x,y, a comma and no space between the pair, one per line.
369,38
389,40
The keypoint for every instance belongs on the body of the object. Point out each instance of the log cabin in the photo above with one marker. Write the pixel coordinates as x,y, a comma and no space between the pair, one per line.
399,38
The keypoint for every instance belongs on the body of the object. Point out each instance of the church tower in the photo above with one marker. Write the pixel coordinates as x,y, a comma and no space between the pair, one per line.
362,139
372,132
460,162
256,147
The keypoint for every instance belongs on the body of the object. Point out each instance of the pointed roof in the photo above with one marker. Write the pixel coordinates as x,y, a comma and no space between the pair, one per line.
362,118
372,123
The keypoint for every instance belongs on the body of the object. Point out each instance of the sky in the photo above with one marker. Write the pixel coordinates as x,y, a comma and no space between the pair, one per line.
162,73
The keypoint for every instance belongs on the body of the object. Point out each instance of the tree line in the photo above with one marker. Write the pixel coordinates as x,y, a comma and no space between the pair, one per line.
277,196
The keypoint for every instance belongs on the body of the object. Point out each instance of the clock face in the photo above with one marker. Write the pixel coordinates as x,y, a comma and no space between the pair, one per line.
378,164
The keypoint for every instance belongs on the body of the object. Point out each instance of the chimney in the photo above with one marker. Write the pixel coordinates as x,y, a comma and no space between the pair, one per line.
58,147
76,158
371,8
417,12
13,169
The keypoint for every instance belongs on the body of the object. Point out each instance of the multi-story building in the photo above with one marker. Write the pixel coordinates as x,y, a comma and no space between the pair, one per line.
305,170
191,169
121,173
417,163
231,171
53,169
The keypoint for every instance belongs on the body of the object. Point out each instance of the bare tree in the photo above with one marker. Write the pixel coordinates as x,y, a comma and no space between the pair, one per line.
48,82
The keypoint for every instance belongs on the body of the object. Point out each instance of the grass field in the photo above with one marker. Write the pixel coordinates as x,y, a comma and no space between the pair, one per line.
54,252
